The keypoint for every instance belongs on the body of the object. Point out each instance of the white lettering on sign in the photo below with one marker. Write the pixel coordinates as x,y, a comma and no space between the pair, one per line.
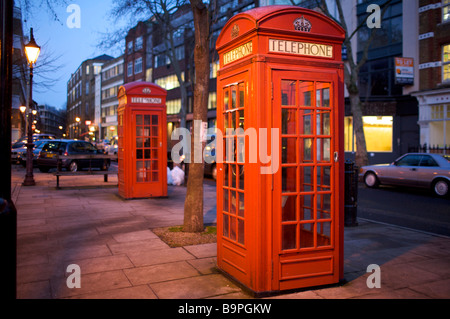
149,100
300,48
238,53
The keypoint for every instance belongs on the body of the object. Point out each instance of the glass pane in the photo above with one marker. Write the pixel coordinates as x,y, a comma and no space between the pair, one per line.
289,150
147,165
241,205
154,131
288,179
146,142
140,176
225,174
154,142
155,176
288,92
146,131
225,200
323,206
241,177
323,178
139,154
155,165
289,207
306,207
139,165
233,120
305,89
146,119
323,123
324,234
305,124
306,181
146,153
241,95
289,233
288,121
306,150
307,235
241,231
138,119
226,219
232,227
233,203
138,130
326,97
233,175
139,142
225,99
225,122
323,149
154,119
241,119
155,154
233,97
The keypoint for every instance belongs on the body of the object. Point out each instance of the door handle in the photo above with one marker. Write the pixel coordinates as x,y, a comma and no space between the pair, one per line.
336,157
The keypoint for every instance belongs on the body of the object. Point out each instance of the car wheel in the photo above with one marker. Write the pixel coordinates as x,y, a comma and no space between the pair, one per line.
44,169
441,187
73,167
371,180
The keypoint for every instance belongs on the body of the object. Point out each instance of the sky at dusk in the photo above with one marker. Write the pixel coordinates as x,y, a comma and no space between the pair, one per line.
73,45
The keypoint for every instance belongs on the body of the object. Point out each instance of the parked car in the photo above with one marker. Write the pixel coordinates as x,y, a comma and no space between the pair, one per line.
36,149
422,170
47,158
112,146
19,148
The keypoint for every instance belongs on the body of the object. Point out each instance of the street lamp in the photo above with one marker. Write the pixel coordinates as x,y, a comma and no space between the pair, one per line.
32,52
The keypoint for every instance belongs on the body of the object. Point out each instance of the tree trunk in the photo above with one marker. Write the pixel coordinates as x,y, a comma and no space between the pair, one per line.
193,205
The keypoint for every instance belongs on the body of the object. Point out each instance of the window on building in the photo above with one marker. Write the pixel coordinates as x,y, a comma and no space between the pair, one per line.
214,66
87,88
445,10
212,100
169,82
87,69
377,130
138,66
138,43
130,68
130,47
173,106
446,63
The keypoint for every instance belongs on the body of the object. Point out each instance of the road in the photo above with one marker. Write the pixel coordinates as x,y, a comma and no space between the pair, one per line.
411,208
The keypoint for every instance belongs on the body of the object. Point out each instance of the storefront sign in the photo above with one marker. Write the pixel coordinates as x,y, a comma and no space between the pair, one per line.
404,71
238,53
300,48
149,100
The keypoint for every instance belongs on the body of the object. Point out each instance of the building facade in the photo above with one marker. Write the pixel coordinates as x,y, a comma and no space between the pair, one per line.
81,89
434,69
112,77
51,120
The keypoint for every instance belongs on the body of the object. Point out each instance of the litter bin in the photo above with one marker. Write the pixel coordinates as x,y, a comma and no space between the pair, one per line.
351,194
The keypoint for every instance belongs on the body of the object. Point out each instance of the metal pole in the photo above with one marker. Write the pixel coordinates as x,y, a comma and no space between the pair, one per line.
29,177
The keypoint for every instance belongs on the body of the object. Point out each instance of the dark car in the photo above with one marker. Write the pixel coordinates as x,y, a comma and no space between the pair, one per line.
47,158
421,170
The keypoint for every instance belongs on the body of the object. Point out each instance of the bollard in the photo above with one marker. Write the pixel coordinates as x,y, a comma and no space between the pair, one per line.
351,194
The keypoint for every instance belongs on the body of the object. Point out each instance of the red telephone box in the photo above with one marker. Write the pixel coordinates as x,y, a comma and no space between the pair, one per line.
281,76
142,140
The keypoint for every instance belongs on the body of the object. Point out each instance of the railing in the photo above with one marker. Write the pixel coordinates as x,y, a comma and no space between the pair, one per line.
431,149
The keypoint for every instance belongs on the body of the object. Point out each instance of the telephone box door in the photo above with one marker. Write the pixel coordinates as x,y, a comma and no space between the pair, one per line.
306,187
147,153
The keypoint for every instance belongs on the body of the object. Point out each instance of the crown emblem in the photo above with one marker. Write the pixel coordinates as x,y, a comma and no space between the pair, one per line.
146,91
302,24
235,31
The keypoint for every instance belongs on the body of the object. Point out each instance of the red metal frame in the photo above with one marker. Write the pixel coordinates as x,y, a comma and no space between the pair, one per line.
260,53
142,140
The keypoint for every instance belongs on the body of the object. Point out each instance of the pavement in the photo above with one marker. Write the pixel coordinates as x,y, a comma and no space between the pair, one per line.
87,224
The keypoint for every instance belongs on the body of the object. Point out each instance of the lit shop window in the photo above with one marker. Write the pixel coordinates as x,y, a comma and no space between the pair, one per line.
446,62
169,82
445,10
377,131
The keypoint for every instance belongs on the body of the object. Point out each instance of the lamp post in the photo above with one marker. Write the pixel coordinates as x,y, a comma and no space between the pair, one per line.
32,52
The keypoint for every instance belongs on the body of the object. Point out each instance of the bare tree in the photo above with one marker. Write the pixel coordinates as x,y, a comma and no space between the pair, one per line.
193,205
161,13
351,71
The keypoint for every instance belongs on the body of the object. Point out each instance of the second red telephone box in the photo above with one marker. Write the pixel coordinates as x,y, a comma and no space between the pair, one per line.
142,140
